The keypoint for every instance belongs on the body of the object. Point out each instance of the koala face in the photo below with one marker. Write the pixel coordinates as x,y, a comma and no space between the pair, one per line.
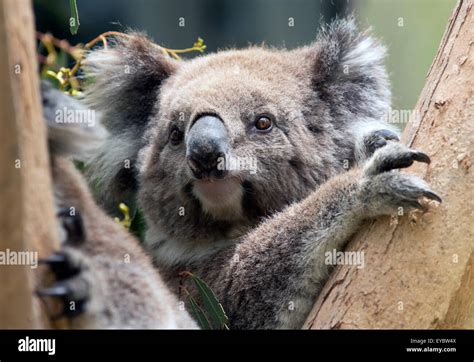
226,138
221,141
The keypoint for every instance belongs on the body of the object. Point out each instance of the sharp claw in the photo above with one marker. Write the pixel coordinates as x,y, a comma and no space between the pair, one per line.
55,258
68,313
64,211
417,205
74,227
64,293
421,157
60,265
388,135
380,143
55,291
432,196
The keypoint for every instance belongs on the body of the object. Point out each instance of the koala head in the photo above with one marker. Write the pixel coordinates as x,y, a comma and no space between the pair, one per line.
216,143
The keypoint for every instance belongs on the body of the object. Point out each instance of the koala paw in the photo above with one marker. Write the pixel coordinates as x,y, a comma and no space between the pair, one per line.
73,282
70,267
377,139
384,190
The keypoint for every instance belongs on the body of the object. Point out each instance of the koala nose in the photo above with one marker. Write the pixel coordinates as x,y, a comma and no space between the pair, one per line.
207,145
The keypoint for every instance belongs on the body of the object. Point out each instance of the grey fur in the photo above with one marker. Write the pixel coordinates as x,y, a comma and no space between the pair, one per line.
114,275
260,243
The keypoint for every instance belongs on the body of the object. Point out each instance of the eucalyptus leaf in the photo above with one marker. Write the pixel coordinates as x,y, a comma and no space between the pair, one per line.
74,19
198,314
211,304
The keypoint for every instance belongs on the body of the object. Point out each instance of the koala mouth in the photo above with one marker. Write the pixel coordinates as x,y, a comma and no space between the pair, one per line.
222,198
216,190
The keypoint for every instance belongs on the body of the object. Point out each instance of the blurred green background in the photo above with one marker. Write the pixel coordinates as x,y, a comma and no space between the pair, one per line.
412,46
411,29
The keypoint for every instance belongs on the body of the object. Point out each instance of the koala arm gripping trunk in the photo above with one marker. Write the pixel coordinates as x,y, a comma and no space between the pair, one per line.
272,277
277,271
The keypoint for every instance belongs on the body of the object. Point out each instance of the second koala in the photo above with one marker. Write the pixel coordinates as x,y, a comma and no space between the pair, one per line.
102,275
310,119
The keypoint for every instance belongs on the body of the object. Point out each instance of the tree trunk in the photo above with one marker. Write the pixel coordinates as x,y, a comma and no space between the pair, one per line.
27,220
419,268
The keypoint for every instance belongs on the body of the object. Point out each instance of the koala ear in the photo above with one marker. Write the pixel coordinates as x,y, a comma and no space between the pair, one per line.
125,80
126,77
347,70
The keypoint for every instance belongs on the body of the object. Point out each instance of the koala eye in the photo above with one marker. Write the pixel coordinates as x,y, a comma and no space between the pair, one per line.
263,123
176,136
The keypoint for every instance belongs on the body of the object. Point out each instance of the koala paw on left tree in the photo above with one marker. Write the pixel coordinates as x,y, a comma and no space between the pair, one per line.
74,279
72,284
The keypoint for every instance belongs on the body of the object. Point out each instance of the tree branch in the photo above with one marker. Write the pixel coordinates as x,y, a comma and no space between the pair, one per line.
27,220
419,269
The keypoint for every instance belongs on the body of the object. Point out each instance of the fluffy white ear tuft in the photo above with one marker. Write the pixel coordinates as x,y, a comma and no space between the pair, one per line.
124,83
348,70
125,79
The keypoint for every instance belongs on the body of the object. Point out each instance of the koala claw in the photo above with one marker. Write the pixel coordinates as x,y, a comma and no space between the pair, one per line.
385,190
432,196
403,160
378,138
73,225
386,134
394,156
60,265
71,287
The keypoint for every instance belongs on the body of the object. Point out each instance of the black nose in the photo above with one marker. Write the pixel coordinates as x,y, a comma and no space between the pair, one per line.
207,145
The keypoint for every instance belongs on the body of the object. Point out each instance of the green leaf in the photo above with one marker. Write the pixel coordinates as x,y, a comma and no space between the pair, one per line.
138,225
198,314
62,59
211,304
74,19
51,77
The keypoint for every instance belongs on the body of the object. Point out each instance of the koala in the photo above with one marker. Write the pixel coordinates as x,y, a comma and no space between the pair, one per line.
311,119
102,275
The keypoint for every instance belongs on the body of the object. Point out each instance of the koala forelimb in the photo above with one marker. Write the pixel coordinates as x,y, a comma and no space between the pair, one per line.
272,276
